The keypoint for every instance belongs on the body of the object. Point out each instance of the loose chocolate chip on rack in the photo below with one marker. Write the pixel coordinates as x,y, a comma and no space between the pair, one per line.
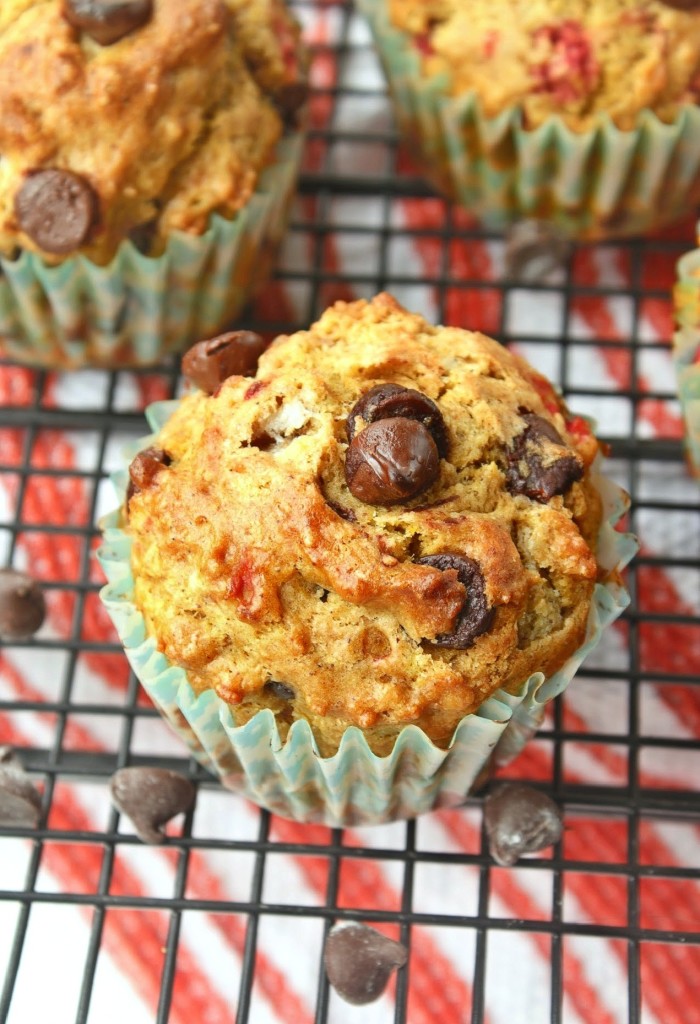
209,363
534,249
144,468
107,21
20,803
280,690
150,797
518,820
475,617
57,209
536,472
391,461
390,400
22,605
360,960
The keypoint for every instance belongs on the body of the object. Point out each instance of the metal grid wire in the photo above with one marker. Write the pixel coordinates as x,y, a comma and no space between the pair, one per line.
640,894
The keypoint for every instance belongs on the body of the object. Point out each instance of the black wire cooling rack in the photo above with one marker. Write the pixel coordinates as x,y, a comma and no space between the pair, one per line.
623,886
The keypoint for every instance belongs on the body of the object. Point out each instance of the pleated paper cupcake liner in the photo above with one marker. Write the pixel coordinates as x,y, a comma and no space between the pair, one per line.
686,351
355,786
594,184
137,308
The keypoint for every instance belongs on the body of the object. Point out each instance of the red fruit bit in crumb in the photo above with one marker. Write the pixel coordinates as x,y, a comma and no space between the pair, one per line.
546,392
255,388
570,70
424,40
286,40
578,427
491,40
241,586
424,45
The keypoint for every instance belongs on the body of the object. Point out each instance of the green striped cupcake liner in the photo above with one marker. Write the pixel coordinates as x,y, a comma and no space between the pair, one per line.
686,351
355,786
137,308
595,184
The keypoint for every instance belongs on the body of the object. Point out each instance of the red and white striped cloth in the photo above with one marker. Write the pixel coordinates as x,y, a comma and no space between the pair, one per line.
210,950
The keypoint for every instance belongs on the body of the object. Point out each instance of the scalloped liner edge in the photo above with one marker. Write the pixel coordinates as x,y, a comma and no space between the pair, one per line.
354,786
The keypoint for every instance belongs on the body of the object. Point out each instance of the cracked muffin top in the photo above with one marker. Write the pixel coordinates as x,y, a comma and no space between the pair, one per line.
137,118
576,58
385,525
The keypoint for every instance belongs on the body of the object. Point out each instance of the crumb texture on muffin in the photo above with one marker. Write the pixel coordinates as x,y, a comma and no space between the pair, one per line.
170,123
576,58
260,572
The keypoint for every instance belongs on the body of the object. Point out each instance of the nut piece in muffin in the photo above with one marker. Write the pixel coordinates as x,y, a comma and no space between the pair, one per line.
137,119
577,58
462,562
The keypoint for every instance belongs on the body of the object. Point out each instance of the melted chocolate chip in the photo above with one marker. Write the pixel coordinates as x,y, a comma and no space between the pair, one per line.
280,690
386,401
475,617
518,820
107,21
391,461
535,467
57,209
20,803
342,511
22,605
144,468
209,363
359,961
150,797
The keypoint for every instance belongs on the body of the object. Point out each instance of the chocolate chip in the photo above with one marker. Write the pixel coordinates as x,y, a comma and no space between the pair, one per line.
209,363
342,511
475,617
359,961
150,797
280,690
518,820
20,803
534,248
540,464
390,400
144,468
142,236
290,99
682,5
22,605
107,21
57,209
391,461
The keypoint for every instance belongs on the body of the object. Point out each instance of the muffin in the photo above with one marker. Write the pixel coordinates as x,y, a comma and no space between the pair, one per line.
362,562
686,352
149,151
583,113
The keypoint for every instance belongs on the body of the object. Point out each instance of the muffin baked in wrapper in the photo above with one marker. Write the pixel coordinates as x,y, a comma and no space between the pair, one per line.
686,351
600,183
137,308
355,786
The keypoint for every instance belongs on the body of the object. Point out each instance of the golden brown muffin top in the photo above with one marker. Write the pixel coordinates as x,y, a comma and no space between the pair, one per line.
155,131
256,564
576,58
